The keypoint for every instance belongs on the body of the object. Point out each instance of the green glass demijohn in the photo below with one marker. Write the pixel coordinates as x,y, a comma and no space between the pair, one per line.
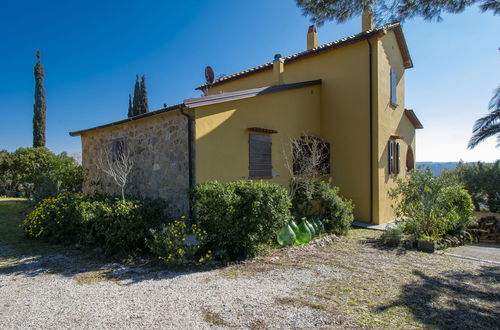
319,224
311,228
286,236
294,226
304,234
315,226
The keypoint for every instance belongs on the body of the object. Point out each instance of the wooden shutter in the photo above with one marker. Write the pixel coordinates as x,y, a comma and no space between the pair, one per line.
391,157
398,157
260,156
394,98
117,149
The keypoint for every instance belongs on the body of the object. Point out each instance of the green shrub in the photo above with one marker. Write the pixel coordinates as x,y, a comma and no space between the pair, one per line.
39,172
240,216
116,226
481,181
430,207
322,199
177,241
55,219
391,236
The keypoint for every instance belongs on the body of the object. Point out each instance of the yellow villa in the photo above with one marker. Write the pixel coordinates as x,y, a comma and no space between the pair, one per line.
350,94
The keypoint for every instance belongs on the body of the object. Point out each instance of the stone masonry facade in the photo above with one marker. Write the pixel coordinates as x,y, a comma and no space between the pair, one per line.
158,148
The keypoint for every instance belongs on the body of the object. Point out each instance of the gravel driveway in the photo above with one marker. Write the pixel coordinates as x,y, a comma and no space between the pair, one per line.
326,284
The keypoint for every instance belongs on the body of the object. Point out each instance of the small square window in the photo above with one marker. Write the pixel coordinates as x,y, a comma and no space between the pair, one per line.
118,149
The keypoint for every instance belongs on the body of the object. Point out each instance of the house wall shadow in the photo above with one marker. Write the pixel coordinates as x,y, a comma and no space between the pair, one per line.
472,306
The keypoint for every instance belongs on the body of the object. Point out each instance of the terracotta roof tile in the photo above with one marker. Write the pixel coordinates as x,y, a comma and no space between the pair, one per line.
334,44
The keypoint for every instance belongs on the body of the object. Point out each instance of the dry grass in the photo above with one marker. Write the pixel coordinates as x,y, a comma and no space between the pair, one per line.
369,286
214,318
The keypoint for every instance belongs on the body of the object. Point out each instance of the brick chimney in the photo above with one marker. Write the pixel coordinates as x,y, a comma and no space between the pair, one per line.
278,69
367,22
312,37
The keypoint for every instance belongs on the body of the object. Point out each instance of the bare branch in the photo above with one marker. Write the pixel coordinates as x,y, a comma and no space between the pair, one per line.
118,165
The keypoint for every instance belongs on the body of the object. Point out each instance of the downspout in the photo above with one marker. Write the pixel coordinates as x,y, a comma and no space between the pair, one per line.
371,126
190,151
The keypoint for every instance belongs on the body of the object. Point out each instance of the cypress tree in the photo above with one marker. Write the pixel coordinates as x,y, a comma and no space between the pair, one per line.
130,109
136,102
144,96
39,107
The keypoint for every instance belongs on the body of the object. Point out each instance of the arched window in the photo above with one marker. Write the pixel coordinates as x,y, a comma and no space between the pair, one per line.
410,160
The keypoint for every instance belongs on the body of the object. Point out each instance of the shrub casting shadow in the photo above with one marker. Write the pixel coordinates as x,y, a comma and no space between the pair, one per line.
45,258
467,307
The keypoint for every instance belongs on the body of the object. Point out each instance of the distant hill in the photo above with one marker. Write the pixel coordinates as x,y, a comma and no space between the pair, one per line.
437,167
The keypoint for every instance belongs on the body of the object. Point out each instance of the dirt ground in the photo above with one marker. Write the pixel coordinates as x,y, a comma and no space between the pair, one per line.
347,283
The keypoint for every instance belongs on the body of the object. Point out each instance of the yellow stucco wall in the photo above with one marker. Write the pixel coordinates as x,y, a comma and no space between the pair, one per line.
343,113
390,121
222,137
343,110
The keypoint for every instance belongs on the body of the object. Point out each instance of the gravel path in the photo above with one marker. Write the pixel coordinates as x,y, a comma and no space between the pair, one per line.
350,283
57,291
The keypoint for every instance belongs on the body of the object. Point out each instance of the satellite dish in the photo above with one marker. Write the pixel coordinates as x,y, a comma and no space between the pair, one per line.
209,75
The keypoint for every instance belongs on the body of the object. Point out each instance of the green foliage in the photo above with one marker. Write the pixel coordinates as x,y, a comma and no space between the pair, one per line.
40,107
40,172
430,207
322,199
386,11
176,241
482,182
115,225
391,236
489,125
54,219
240,216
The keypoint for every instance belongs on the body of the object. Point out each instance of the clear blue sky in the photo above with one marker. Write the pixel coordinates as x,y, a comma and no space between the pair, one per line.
92,50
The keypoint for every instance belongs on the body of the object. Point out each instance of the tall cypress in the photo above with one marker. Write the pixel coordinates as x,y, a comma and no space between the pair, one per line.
144,96
130,108
39,107
136,102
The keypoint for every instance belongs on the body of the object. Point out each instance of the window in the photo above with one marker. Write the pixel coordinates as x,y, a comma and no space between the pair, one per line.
118,149
311,157
394,157
260,156
410,160
394,99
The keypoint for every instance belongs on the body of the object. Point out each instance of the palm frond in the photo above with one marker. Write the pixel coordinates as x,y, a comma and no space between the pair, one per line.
486,121
483,134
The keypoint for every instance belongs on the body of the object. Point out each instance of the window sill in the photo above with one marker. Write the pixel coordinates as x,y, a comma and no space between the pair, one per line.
393,105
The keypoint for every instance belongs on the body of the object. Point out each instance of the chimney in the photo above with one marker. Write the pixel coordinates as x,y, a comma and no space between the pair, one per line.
278,69
312,37
367,22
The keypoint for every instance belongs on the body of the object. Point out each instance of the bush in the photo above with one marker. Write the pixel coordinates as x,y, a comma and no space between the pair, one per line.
481,181
391,236
240,216
116,226
430,207
177,241
322,199
39,172
55,219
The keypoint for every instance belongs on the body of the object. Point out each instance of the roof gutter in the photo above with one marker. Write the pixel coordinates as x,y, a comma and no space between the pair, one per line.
191,162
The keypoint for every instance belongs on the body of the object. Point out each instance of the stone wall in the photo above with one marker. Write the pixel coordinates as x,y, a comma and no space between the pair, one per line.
158,148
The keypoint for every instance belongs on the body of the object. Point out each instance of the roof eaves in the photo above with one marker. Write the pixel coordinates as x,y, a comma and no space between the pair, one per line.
413,119
145,115
242,94
400,38
331,45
